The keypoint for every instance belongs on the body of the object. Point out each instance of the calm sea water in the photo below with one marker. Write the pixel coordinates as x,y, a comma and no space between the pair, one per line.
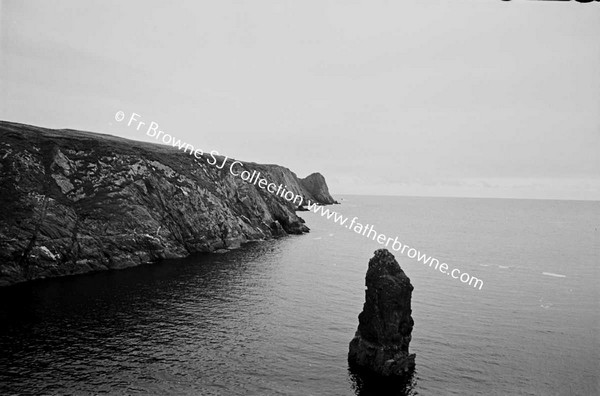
275,318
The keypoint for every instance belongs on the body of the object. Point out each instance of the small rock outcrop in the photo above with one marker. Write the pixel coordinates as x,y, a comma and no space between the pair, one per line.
380,345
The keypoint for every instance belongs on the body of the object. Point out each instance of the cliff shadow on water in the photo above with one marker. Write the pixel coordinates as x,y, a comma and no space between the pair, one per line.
365,383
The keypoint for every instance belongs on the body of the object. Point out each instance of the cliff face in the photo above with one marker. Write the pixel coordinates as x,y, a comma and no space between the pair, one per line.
312,188
74,202
315,184
380,345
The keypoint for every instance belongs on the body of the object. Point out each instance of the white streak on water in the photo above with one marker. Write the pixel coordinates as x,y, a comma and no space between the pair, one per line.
553,274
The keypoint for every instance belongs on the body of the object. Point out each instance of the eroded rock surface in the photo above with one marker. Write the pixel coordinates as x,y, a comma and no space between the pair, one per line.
380,344
73,202
316,186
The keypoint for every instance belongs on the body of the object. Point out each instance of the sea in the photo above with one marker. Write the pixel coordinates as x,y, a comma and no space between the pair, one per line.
276,317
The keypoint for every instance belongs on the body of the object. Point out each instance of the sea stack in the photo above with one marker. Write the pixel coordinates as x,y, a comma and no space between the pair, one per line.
380,345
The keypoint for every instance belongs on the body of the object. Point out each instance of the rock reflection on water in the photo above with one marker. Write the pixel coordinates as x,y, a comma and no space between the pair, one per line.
366,384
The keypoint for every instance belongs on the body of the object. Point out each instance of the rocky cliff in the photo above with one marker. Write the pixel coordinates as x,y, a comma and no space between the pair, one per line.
74,202
315,185
380,345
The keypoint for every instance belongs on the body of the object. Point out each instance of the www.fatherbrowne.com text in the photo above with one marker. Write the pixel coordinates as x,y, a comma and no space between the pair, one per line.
369,231
236,168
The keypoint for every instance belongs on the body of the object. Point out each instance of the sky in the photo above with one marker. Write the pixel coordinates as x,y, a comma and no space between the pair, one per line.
478,98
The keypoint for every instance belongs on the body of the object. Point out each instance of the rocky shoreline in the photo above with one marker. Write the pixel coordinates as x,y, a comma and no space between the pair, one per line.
75,202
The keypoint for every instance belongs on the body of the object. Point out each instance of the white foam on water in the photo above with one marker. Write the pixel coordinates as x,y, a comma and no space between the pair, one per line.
553,274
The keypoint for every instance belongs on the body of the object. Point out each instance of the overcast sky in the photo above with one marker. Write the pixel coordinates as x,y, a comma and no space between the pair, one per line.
445,98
